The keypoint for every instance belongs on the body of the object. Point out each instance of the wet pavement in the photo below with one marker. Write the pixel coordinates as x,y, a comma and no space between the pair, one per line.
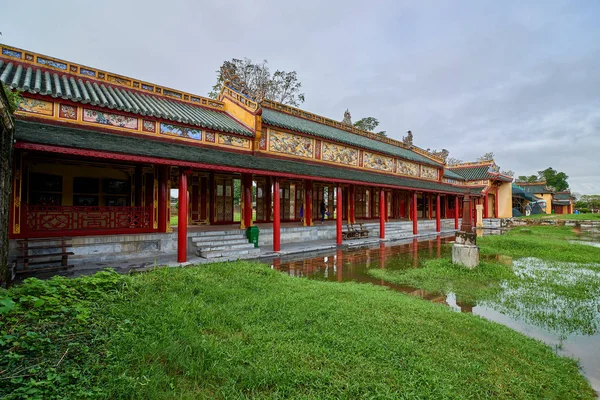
571,327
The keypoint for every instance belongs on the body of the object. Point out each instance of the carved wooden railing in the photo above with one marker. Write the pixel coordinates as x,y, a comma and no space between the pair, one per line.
79,220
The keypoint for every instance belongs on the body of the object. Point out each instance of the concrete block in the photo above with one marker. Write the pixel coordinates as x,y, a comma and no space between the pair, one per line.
465,255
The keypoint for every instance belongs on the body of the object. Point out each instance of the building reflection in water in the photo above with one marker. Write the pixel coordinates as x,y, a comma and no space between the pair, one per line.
352,264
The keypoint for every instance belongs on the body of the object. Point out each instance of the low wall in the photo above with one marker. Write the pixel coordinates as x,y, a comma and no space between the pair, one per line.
591,226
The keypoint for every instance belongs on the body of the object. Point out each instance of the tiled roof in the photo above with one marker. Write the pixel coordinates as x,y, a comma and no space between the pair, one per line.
287,121
89,91
563,196
517,191
561,202
34,132
534,188
473,173
452,175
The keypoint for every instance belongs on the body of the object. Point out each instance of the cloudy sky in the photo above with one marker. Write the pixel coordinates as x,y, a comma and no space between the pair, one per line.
519,78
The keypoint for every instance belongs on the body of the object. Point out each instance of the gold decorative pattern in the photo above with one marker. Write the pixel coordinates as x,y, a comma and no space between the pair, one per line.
408,168
429,172
339,154
286,143
378,162
234,141
34,106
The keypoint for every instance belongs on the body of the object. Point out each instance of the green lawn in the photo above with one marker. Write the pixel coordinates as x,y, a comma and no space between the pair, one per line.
240,330
573,217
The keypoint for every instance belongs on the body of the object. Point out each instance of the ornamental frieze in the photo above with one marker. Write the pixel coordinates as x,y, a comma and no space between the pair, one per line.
339,154
378,162
429,172
408,168
286,143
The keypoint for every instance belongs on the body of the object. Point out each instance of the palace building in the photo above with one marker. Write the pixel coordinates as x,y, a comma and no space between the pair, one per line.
97,154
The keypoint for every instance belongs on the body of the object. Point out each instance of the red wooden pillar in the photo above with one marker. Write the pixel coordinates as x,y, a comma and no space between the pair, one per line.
351,204
446,206
247,193
268,199
338,219
182,217
163,198
276,216
413,207
485,206
382,212
438,215
496,204
308,184
429,206
456,205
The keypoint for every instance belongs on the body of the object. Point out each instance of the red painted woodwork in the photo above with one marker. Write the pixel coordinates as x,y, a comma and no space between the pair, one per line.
182,217
429,206
485,206
338,220
269,199
307,212
414,213
351,201
138,186
382,212
467,222
496,203
438,214
42,221
247,188
456,206
163,197
276,217
446,207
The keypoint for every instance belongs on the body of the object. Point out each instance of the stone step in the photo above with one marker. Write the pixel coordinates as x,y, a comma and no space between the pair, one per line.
234,258
225,253
241,246
236,232
218,241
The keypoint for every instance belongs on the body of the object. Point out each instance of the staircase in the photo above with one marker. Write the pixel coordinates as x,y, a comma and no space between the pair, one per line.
224,246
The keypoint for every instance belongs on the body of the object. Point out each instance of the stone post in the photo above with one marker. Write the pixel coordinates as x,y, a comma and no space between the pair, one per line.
465,251
479,223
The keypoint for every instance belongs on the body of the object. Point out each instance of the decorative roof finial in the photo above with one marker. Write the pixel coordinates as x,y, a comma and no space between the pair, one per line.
408,139
347,118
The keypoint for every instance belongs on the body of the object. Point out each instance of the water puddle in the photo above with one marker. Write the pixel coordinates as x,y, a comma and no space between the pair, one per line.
552,302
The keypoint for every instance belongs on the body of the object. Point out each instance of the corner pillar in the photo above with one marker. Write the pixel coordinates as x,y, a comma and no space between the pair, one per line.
485,206
338,216
413,207
382,213
351,204
182,216
438,214
163,197
246,201
456,205
308,185
276,217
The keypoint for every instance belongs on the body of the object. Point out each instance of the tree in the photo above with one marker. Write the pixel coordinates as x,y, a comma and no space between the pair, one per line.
369,124
530,178
256,81
590,202
454,161
555,179
486,157
14,98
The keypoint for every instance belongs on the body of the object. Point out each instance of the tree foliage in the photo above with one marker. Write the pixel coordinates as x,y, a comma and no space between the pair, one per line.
558,180
454,161
14,98
589,202
530,178
258,82
369,124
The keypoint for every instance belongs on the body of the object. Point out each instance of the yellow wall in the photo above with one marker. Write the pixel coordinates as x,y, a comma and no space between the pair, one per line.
69,172
548,198
239,112
505,200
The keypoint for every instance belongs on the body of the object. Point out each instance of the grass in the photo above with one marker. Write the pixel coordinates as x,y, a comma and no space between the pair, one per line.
535,274
240,330
572,217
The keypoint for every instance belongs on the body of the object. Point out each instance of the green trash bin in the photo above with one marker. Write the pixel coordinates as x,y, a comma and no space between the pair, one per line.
252,235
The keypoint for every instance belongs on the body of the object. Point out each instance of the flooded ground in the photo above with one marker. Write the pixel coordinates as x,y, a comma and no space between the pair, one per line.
570,325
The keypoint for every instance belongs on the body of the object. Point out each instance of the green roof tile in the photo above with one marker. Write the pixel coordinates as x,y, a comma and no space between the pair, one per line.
535,188
452,175
286,121
90,92
474,173
34,132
